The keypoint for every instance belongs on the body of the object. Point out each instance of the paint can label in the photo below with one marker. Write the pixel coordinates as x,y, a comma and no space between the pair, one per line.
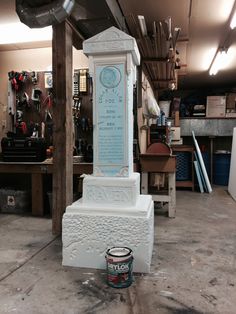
119,267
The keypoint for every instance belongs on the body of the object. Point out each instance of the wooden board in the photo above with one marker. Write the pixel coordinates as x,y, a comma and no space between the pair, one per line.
157,163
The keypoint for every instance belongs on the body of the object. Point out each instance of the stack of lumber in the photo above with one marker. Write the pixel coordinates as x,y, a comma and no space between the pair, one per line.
158,50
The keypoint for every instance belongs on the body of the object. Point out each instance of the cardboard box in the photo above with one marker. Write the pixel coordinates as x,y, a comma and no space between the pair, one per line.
175,133
179,142
231,101
230,115
216,106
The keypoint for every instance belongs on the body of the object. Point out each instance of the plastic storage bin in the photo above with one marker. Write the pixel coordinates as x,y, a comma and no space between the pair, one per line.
183,166
221,166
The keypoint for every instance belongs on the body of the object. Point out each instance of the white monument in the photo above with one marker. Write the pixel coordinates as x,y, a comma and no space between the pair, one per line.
111,212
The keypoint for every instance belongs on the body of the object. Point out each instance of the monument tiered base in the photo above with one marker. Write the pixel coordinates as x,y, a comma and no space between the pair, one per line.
89,230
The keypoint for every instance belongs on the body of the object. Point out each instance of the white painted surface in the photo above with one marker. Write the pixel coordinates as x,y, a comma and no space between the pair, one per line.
107,209
88,233
110,191
122,166
109,48
232,171
112,41
112,212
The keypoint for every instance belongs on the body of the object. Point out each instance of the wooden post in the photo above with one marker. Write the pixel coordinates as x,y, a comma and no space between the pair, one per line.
62,123
37,194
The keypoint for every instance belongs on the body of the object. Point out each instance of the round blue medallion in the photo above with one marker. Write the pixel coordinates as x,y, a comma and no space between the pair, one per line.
110,77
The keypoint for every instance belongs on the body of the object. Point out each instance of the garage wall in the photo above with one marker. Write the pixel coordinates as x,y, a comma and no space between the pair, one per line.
144,123
27,60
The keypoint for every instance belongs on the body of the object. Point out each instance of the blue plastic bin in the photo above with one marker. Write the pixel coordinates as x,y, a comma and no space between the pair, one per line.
221,166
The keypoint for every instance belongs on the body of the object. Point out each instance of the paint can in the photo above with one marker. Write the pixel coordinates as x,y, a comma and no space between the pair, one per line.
119,267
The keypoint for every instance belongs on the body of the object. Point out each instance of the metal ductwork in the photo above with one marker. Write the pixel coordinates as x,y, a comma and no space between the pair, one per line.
37,14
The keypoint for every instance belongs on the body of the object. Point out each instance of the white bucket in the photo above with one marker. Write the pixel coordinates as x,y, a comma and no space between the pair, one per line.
165,107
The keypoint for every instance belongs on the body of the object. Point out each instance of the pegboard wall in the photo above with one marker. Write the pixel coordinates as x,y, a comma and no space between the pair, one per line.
30,104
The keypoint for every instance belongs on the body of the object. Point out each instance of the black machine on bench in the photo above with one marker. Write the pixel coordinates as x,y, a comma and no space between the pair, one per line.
23,149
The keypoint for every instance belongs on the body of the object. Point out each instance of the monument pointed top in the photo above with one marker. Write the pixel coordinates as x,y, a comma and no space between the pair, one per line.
111,33
112,40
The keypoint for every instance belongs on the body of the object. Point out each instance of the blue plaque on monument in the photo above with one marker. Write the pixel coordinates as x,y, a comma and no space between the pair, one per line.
110,155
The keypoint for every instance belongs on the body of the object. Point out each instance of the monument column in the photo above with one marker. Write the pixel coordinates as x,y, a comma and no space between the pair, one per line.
111,212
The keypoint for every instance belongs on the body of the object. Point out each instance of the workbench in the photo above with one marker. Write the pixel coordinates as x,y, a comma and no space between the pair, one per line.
37,170
160,163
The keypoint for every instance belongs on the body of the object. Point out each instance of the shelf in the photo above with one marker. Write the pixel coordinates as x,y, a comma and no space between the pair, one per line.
158,51
207,126
185,184
204,118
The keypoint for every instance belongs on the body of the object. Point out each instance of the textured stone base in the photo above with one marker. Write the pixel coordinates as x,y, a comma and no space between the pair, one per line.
87,233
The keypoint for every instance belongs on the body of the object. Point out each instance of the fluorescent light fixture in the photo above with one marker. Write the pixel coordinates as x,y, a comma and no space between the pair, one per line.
142,24
20,33
206,59
218,61
233,21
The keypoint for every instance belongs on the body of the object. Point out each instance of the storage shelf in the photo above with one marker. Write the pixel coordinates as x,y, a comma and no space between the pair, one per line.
186,184
205,118
207,126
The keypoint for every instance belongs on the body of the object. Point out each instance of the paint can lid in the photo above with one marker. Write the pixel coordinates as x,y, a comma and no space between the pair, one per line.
119,251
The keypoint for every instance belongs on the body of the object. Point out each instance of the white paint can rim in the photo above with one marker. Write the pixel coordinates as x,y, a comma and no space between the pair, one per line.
119,251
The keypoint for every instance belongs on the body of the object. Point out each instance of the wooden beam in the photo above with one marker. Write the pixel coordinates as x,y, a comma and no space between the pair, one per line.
147,72
77,37
117,14
139,87
77,42
150,60
62,123
164,81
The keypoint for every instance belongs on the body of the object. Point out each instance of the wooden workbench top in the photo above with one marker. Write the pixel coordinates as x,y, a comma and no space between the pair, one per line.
41,167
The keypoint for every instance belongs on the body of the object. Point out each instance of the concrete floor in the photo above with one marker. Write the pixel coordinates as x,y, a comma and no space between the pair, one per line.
193,266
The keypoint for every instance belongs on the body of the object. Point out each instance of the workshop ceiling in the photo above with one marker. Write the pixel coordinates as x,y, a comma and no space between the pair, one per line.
204,27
